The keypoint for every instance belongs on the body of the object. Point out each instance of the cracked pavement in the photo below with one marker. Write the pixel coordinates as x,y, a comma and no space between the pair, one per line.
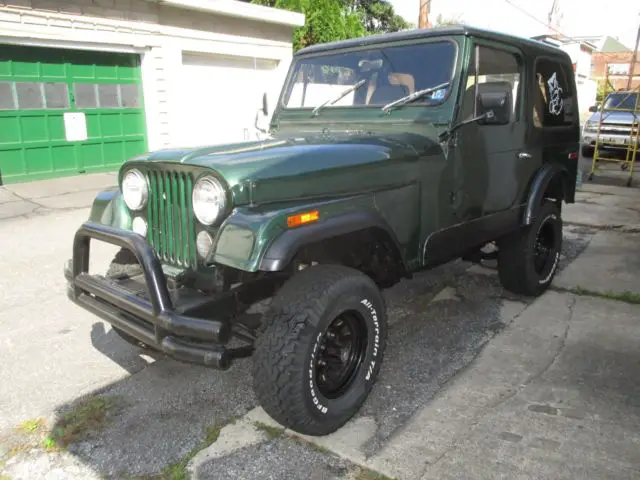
476,382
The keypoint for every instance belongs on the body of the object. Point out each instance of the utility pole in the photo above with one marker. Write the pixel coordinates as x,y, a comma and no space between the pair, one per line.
423,19
553,18
634,59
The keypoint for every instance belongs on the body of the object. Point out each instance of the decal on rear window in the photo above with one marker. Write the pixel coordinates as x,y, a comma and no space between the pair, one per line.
555,95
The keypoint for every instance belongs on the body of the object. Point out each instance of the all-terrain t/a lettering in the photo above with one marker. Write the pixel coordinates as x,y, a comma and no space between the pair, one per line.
383,156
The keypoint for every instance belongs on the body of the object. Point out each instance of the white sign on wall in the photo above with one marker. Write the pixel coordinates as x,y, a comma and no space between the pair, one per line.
619,68
75,126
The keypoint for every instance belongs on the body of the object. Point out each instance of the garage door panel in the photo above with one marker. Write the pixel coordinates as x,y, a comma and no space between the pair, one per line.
220,97
111,151
111,125
53,70
9,130
91,155
63,157
13,162
132,124
34,128
44,84
38,159
55,127
134,148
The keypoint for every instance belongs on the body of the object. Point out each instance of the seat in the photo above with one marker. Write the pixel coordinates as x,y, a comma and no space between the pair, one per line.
384,94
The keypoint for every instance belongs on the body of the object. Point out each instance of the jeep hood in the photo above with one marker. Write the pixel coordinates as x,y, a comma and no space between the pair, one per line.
300,168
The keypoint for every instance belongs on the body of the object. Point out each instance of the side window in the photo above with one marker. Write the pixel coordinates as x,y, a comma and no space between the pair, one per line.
553,98
495,67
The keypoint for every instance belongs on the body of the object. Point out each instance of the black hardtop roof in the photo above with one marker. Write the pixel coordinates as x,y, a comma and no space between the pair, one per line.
418,33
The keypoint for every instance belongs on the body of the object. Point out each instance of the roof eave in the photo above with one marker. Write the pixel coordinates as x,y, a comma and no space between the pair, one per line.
243,10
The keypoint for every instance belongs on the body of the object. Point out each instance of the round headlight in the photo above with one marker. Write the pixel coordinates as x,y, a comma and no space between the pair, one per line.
204,242
209,200
139,226
134,189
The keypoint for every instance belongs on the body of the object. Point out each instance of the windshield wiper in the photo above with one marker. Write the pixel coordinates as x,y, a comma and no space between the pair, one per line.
340,97
413,96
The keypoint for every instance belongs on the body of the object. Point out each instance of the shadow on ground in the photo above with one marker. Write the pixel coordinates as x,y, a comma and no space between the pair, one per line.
165,410
609,172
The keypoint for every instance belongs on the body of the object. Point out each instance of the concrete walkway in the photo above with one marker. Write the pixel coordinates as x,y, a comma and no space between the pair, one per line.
42,197
476,384
555,395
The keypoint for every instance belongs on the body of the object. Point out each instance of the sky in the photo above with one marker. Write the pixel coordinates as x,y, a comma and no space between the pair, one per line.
620,18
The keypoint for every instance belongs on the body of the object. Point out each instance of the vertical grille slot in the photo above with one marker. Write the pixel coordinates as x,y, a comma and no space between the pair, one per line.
171,225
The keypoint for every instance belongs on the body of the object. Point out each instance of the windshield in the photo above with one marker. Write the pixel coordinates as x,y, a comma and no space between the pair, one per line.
389,74
621,101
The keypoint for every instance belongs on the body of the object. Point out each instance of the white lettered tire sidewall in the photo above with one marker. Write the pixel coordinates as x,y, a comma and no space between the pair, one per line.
557,226
371,308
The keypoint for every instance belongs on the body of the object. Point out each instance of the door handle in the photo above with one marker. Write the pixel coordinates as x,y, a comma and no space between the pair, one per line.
524,155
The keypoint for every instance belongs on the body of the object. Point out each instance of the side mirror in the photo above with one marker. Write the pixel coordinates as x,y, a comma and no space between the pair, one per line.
494,106
265,112
593,108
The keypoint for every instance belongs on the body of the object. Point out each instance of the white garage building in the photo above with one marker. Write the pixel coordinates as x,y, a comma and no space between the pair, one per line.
85,84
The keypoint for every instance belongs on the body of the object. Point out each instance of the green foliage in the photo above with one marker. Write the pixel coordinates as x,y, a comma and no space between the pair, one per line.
441,21
332,20
604,88
377,16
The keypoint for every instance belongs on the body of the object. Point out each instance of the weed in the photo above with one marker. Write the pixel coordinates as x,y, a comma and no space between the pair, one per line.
32,426
85,418
178,470
272,432
626,296
313,446
367,474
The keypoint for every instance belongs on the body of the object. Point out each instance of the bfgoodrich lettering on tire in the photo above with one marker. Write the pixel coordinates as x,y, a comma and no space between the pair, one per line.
321,349
528,259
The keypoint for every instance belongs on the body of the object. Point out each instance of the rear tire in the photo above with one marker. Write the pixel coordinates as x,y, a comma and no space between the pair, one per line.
320,353
528,259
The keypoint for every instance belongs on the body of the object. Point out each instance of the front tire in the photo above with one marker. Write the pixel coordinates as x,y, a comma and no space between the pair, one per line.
321,350
528,259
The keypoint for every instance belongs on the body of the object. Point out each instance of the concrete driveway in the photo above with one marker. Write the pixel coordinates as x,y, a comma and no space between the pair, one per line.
477,383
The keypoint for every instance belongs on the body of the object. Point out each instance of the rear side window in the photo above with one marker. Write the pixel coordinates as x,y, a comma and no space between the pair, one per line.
553,96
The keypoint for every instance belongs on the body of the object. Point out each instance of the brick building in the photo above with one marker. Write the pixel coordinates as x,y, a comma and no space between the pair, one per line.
619,64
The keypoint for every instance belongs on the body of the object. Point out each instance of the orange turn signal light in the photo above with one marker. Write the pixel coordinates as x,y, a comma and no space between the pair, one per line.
303,218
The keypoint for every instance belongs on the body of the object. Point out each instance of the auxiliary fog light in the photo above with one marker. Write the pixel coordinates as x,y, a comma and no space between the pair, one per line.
204,243
139,226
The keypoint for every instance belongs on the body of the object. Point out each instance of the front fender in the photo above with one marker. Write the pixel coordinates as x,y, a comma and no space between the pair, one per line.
261,241
108,208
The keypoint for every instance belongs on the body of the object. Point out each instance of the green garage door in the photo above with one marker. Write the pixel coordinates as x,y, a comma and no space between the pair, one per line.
64,112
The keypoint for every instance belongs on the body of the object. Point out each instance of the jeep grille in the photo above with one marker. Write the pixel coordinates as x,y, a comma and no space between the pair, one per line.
171,230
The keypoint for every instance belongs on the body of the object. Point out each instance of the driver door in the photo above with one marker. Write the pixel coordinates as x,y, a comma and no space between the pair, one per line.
487,157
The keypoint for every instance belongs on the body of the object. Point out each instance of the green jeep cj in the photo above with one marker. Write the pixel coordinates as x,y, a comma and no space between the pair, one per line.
384,156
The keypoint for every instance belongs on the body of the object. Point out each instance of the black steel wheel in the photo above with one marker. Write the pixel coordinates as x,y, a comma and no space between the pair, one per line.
342,350
544,248
321,349
528,259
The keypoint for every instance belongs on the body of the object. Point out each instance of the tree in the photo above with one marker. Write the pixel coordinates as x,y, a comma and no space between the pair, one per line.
441,21
378,15
330,20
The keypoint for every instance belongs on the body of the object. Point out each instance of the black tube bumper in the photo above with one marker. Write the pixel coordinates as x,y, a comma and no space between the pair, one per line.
152,320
